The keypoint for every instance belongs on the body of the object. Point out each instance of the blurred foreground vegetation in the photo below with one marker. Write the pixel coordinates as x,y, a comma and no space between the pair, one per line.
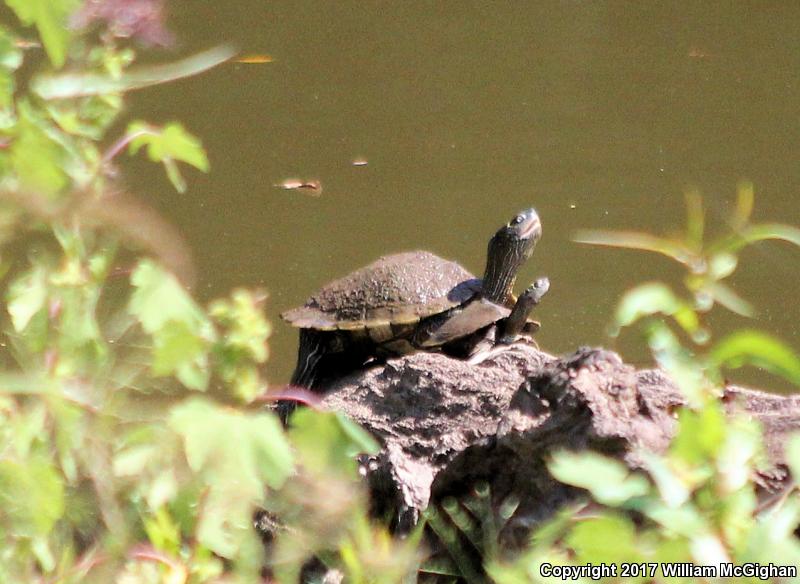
134,442
135,445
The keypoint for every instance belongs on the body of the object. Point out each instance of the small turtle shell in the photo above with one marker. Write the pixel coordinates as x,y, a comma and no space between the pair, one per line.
396,289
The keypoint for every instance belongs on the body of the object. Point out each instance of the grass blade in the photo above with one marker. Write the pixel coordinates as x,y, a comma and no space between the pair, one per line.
71,85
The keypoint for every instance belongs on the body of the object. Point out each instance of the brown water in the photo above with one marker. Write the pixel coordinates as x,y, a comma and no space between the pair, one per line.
599,114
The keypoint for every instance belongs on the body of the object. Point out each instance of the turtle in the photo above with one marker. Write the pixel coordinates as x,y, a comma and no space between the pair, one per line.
416,300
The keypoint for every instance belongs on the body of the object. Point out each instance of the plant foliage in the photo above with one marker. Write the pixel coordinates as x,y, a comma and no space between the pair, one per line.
696,504
135,445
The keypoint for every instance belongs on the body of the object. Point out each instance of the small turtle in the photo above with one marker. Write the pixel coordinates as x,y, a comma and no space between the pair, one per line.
417,301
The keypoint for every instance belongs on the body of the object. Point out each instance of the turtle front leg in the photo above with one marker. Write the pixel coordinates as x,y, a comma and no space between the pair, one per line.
516,321
509,329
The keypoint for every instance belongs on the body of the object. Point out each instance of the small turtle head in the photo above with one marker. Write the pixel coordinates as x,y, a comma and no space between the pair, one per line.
508,249
523,232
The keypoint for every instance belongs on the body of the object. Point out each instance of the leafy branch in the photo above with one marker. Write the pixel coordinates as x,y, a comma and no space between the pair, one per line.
708,264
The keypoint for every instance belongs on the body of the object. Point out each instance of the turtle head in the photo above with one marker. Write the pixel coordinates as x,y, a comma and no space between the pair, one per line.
508,249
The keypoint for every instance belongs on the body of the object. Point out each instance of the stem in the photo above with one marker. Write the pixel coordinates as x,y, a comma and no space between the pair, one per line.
122,143
97,461
151,554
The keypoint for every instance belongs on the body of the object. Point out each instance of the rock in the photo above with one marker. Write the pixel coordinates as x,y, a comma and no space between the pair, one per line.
447,425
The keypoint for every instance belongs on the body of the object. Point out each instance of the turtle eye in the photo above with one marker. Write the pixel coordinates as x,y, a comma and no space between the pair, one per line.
518,219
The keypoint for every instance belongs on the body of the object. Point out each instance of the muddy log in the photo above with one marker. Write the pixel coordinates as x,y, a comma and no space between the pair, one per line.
447,425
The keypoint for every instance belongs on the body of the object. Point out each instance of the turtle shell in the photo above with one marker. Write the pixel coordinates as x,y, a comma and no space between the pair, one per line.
396,289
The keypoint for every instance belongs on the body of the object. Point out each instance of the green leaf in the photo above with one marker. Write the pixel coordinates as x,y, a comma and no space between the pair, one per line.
608,480
361,441
163,532
254,443
793,455
69,120
50,18
10,60
673,489
162,489
177,143
328,442
72,85
167,145
756,233
133,461
31,496
672,550
174,175
44,555
608,538
26,383
750,347
685,520
644,300
70,426
766,231
700,434
773,539
247,329
734,510
636,240
655,298
234,454
93,117
35,157
745,196
722,265
6,100
26,297
159,298
180,350
725,296
10,53
242,343
678,362
706,548
551,530
182,335
695,220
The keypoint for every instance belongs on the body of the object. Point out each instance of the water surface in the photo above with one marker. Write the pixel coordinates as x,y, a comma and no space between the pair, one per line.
598,114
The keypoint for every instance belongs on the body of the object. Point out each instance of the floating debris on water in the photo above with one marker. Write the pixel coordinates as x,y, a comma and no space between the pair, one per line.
359,162
698,53
314,187
254,59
